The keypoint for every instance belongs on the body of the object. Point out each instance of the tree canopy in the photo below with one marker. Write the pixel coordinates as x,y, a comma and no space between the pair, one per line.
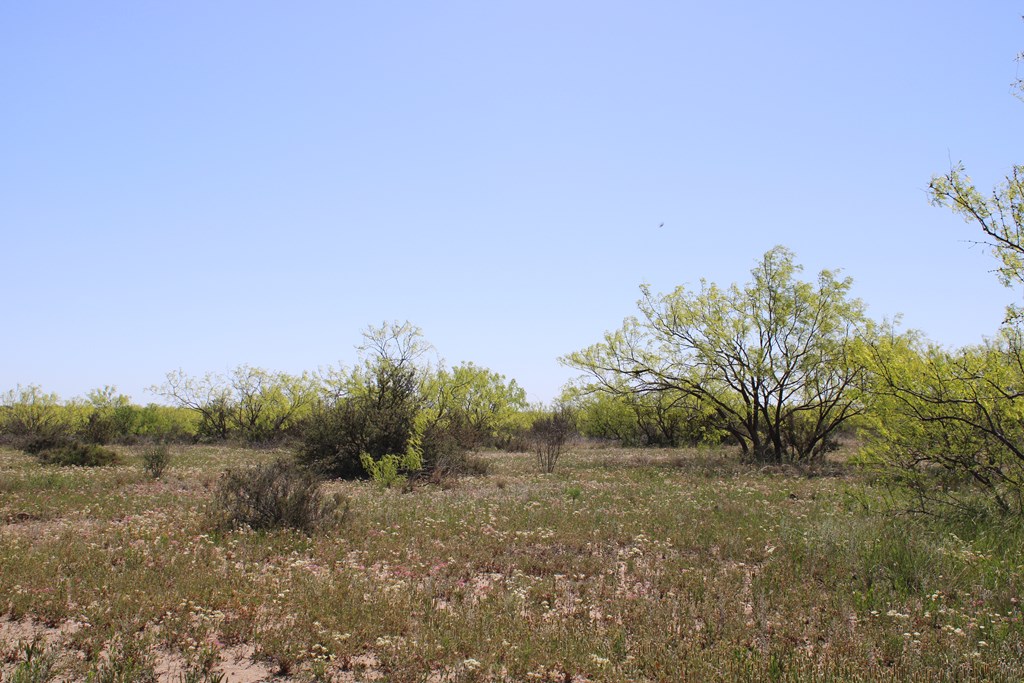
775,361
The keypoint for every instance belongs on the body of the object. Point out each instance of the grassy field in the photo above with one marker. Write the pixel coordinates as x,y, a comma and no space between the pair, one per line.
623,565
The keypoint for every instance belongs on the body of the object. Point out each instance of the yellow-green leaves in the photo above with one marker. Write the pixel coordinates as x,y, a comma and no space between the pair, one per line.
999,215
771,360
949,425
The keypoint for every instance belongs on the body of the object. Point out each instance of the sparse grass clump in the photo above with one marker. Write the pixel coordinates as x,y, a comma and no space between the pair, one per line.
37,665
129,660
275,495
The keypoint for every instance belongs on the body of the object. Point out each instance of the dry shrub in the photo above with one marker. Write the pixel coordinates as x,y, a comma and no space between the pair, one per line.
275,495
548,436
75,454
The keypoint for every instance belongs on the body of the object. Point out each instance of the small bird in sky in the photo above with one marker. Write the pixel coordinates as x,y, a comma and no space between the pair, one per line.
662,225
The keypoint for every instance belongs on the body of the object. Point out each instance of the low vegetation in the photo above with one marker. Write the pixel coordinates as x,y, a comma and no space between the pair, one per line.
156,458
274,495
76,454
646,565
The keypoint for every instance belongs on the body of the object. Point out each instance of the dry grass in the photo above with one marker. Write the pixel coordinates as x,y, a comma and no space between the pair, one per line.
623,565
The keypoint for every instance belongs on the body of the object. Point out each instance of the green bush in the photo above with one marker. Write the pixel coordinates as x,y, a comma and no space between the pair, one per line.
947,427
75,454
334,439
165,423
28,413
387,471
155,459
99,428
275,495
378,422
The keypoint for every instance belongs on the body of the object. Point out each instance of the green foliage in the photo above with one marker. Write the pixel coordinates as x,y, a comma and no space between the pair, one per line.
378,419
476,406
949,423
333,440
1000,216
374,409
275,495
77,454
155,459
252,404
109,416
662,419
165,423
27,413
948,426
387,470
38,445
775,363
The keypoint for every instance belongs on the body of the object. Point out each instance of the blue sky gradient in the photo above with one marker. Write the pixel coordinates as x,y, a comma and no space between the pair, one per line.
198,185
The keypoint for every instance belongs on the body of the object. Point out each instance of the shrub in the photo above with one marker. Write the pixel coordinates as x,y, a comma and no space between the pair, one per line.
166,423
373,409
105,416
659,419
75,454
40,444
379,422
464,465
99,428
548,435
275,495
334,439
442,450
155,459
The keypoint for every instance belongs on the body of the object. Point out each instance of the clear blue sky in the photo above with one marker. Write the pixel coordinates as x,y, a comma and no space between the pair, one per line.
198,185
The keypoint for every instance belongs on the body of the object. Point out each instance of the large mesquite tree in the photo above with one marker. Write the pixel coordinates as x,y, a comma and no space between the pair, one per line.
776,361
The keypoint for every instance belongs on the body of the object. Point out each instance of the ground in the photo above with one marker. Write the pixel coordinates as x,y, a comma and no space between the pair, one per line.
657,565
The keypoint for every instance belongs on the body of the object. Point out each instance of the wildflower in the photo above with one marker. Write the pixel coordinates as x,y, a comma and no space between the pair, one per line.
471,664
